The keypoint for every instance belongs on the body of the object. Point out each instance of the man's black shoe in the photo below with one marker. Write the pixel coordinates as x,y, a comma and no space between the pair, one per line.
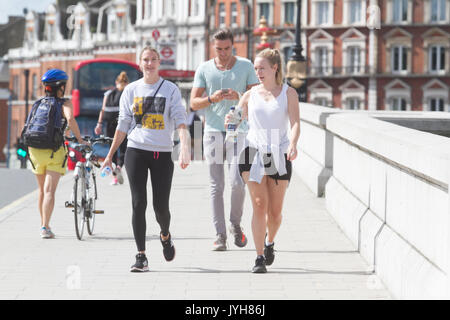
240,239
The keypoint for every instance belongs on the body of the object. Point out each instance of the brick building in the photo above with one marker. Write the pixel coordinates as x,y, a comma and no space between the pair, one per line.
362,54
379,55
11,35
4,96
243,17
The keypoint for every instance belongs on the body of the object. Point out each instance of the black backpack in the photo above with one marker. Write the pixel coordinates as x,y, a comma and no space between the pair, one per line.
44,128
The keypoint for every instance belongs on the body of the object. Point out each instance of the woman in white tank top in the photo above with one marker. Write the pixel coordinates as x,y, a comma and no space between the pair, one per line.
265,164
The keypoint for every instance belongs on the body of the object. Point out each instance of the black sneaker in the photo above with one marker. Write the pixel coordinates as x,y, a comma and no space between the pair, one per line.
260,265
269,254
141,264
168,248
240,239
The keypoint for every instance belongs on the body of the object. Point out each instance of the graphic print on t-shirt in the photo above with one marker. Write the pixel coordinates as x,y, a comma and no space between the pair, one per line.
154,112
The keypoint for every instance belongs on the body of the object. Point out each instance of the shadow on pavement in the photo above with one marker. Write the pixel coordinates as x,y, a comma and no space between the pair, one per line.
273,271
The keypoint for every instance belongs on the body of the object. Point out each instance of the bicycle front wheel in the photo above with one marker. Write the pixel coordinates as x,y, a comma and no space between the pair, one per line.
92,196
78,204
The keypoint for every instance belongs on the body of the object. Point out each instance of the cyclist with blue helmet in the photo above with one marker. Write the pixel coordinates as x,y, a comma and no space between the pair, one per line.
49,165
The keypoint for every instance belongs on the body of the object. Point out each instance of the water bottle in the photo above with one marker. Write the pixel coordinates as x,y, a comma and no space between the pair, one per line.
233,124
106,171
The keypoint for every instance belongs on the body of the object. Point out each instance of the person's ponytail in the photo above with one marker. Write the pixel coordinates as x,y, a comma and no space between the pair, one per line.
122,78
274,58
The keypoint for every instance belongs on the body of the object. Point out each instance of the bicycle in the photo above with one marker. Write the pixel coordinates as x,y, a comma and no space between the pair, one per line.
84,194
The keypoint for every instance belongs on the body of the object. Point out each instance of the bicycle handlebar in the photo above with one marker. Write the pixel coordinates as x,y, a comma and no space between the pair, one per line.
91,140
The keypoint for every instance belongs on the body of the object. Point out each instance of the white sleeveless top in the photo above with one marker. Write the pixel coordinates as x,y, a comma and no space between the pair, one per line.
268,123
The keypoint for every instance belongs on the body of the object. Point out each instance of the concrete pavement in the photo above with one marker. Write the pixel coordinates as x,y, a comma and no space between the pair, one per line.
14,184
314,259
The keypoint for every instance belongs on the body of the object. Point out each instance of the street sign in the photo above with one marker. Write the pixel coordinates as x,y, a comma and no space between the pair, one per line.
156,34
167,52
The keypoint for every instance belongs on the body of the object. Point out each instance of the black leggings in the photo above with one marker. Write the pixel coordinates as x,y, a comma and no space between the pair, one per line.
160,164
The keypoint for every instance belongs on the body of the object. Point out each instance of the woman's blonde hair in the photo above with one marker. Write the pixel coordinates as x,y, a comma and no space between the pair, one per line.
122,78
148,48
274,57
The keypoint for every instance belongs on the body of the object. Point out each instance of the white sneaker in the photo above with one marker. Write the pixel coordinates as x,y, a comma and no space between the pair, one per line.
47,233
119,175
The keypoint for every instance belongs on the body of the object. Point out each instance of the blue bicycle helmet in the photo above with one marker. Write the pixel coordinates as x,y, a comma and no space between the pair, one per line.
54,79
54,75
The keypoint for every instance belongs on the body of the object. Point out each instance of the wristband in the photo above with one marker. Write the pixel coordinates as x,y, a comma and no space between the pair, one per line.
100,123
209,100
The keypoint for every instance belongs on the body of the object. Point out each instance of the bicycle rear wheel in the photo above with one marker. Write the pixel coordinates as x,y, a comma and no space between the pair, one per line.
78,208
92,196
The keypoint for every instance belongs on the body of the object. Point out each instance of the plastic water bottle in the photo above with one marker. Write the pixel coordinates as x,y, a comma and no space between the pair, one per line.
106,171
233,124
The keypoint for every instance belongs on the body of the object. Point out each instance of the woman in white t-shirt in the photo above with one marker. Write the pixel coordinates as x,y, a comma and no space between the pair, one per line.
265,164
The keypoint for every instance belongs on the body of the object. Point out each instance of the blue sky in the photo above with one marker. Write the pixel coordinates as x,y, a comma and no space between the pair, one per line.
15,7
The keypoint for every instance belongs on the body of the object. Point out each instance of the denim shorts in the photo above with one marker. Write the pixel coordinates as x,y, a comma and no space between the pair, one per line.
246,160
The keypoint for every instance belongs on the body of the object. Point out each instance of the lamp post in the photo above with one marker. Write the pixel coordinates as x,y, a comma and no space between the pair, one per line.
23,159
296,66
26,73
264,32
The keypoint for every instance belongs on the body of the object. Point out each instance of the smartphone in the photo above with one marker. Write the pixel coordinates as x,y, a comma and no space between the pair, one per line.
225,91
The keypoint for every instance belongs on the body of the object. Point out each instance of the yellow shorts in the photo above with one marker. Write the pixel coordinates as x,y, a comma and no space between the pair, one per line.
43,162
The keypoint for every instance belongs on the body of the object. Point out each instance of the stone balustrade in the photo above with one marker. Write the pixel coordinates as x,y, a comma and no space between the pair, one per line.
385,179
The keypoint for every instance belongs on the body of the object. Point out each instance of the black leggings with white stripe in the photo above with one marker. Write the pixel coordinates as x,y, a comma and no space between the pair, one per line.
138,163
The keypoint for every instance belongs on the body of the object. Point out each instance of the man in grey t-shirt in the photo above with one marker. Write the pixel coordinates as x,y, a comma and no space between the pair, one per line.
218,85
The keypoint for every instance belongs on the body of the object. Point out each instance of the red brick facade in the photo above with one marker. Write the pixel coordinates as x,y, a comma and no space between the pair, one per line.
413,34
336,36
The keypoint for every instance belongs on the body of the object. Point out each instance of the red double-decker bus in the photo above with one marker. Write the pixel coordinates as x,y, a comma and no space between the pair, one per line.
92,78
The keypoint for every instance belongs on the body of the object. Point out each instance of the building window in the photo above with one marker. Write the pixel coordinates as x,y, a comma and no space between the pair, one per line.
147,9
436,104
322,60
355,11
353,104
438,10
195,54
264,11
322,12
321,102
398,104
16,87
399,59
287,53
196,8
222,14
172,7
34,86
112,27
234,14
437,58
289,12
354,60
400,10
